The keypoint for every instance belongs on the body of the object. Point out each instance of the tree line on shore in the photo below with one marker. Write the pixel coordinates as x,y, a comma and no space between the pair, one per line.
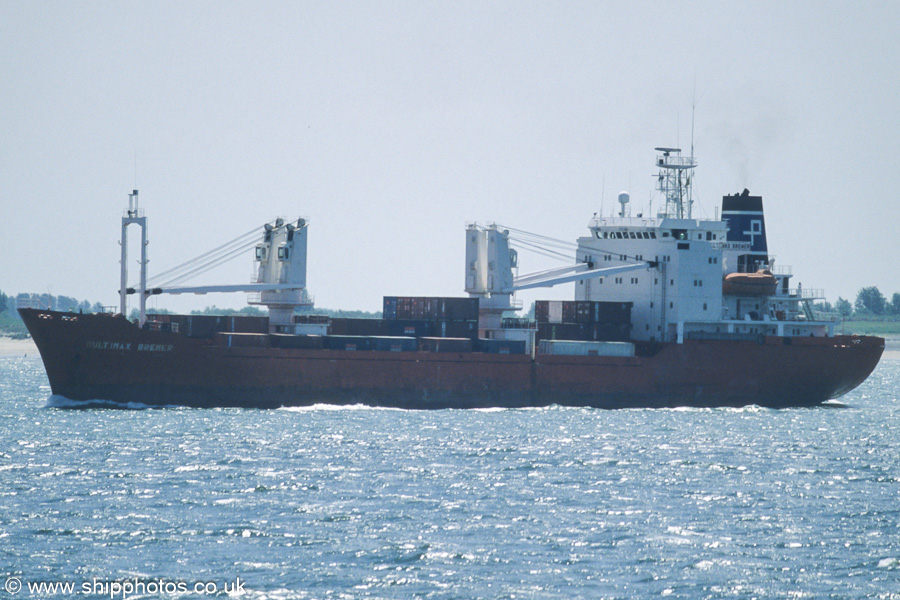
870,302
47,301
11,323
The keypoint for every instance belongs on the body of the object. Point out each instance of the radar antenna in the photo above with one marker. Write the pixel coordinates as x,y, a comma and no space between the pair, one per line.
674,181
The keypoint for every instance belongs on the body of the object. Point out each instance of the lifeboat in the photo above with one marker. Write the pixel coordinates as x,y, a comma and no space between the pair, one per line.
761,283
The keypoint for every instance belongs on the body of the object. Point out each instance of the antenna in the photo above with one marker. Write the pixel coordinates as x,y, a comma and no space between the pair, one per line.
693,110
690,187
629,187
693,113
602,193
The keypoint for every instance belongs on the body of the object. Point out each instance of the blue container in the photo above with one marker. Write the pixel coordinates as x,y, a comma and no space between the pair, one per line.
394,344
347,342
456,329
389,308
500,346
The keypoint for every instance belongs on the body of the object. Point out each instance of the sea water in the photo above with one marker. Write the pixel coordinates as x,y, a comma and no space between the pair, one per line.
372,503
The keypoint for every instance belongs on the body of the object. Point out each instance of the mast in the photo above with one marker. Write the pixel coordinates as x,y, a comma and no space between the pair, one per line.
133,215
674,181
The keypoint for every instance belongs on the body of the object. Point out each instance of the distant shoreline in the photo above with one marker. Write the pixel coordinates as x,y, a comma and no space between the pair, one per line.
11,347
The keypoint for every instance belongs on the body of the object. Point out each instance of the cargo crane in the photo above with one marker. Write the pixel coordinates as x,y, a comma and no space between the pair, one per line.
280,274
489,272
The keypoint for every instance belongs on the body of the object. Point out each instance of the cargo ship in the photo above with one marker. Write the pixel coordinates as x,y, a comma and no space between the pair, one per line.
669,311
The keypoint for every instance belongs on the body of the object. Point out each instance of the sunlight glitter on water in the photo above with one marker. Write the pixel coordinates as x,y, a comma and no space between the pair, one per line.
543,503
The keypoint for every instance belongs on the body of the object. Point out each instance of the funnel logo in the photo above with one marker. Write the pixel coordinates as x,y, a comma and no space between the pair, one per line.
755,230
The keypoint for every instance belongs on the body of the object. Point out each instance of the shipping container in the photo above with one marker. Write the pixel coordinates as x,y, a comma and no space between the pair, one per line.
389,308
563,331
456,329
440,344
541,311
416,307
554,311
582,311
576,348
430,308
568,312
297,342
242,340
311,328
410,327
613,332
369,343
586,311
489,346
241,324
347,342
206,326
342,326
458,309
596,332
613,312
394,344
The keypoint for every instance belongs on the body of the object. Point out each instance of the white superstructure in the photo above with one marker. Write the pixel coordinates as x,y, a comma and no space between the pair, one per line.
679,292
682,278
685,277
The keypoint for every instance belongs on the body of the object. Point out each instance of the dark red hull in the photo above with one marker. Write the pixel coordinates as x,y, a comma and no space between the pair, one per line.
105,358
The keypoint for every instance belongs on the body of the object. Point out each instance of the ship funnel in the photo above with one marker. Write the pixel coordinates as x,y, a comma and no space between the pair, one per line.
747,249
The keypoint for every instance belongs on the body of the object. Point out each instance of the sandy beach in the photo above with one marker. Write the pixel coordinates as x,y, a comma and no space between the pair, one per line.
891,348
11,347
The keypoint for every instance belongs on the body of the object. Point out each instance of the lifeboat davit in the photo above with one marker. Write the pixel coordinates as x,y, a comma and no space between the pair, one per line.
761,283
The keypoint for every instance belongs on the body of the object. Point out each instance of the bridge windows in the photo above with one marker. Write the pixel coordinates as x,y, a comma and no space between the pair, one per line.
627,235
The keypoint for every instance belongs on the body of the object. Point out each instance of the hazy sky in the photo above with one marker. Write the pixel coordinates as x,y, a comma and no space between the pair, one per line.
392,124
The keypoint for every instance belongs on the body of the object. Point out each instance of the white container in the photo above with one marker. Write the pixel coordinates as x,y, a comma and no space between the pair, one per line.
573,348
311,329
